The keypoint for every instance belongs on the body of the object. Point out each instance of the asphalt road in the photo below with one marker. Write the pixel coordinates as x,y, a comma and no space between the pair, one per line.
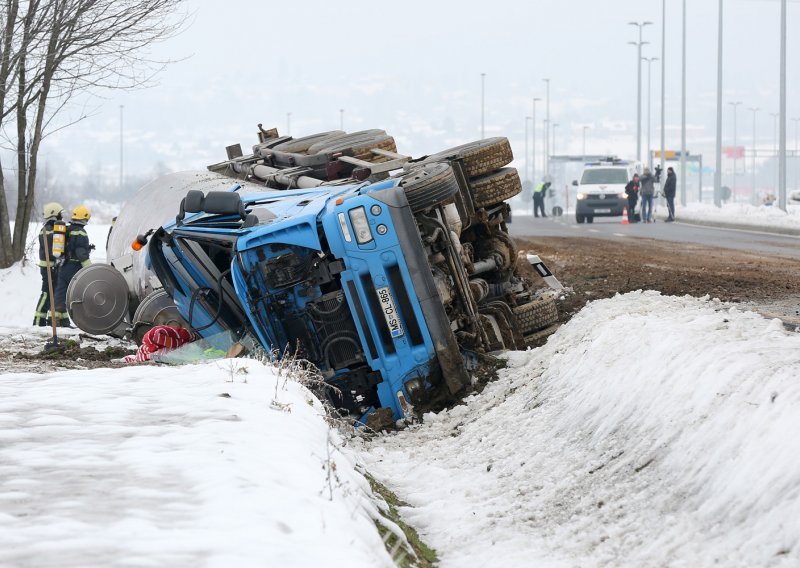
611,229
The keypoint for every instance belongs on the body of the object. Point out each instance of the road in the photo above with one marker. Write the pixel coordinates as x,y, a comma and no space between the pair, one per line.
612,229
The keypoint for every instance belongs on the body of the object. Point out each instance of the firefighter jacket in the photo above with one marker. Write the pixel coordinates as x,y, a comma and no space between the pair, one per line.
77,248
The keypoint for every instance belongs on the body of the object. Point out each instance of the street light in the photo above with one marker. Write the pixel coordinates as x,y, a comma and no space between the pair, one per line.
555,125
663,82
639,45
288,124
683,110
754,110
545,156
483,101
341,119
782,135
718,147
796,154
547,131
533,136
649,105
775,116
735,106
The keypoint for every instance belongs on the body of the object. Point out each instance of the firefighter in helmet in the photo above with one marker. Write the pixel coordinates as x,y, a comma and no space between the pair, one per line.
52,213
76,256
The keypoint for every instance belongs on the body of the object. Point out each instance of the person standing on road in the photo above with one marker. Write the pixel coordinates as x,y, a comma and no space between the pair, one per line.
632,191
76,256
646,191
538,198
669,193
52,213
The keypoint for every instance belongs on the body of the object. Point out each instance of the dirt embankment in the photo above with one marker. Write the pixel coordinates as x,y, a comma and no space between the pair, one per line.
597,268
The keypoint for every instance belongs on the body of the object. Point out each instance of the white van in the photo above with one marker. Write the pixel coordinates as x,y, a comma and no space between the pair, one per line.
601,189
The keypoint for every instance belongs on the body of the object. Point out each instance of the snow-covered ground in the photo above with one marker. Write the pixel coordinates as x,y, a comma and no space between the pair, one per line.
741,214
191,466
649,431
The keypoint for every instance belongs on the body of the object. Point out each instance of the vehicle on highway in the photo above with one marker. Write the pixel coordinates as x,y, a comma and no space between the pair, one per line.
390,275
601,189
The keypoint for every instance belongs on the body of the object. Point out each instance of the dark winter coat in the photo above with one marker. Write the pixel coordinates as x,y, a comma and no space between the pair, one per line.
632,190
48,232
77,248
646,186
669,185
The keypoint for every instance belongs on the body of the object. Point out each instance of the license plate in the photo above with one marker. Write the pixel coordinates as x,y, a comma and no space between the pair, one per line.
390,312
602,210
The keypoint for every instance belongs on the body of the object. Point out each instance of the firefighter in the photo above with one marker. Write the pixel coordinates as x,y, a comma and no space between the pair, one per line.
52,212
76,256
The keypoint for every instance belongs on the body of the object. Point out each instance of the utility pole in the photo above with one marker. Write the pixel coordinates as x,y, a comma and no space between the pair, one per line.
663,85
555,125
649,105
796,161
547,131
585,128
718,149
533,136
754,110
121,107
483,102
782,135
639,45
545,134
683,111
527,154
341,119
775,116
288,124
735,106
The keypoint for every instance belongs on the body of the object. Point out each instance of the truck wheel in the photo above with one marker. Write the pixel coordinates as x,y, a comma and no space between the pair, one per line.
580,218
495,187
536,315
300,145
589,219
429,186
480,157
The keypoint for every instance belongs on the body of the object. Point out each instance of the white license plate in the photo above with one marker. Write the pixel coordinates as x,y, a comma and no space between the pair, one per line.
602,210
390,312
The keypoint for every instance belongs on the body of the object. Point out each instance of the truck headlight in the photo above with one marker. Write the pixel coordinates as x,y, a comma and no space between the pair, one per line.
581,196
358,218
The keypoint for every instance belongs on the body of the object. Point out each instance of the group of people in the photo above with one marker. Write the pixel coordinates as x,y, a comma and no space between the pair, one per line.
57,270
644,188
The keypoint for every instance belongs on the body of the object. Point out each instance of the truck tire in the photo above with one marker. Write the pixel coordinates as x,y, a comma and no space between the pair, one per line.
429,185
480,157
301,145
580,218
495,187
536,315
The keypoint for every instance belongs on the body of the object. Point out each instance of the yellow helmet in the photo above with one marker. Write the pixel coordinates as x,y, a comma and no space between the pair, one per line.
81,213
52,210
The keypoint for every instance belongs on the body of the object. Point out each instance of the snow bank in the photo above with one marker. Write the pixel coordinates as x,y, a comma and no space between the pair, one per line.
190,466
742,214
649,431
23,284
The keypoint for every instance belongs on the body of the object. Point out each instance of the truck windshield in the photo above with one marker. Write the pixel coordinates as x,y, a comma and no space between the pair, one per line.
596,176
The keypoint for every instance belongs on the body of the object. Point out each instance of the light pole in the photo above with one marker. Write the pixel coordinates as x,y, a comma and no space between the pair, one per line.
533,137
555,125
663,84
735,106
782,135
683,110
527,154
121,107
754,110
718,148
341,119
545,157
585,128
288,124
483,101
639,45
649,105
547,130
796,154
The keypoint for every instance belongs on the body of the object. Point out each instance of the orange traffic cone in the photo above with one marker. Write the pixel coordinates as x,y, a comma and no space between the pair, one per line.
625,220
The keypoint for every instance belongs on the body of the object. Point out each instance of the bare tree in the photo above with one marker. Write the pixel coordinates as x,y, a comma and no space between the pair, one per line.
53,51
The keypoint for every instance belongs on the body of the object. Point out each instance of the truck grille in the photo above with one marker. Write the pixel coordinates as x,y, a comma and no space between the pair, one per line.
337,334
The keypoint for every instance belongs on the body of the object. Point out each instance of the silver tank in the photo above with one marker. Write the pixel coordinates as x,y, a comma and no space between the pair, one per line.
99,300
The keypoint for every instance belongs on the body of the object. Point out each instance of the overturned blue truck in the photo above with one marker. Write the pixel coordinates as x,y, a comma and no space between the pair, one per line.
390,274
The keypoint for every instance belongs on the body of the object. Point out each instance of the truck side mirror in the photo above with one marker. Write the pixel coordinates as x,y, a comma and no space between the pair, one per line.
575,182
